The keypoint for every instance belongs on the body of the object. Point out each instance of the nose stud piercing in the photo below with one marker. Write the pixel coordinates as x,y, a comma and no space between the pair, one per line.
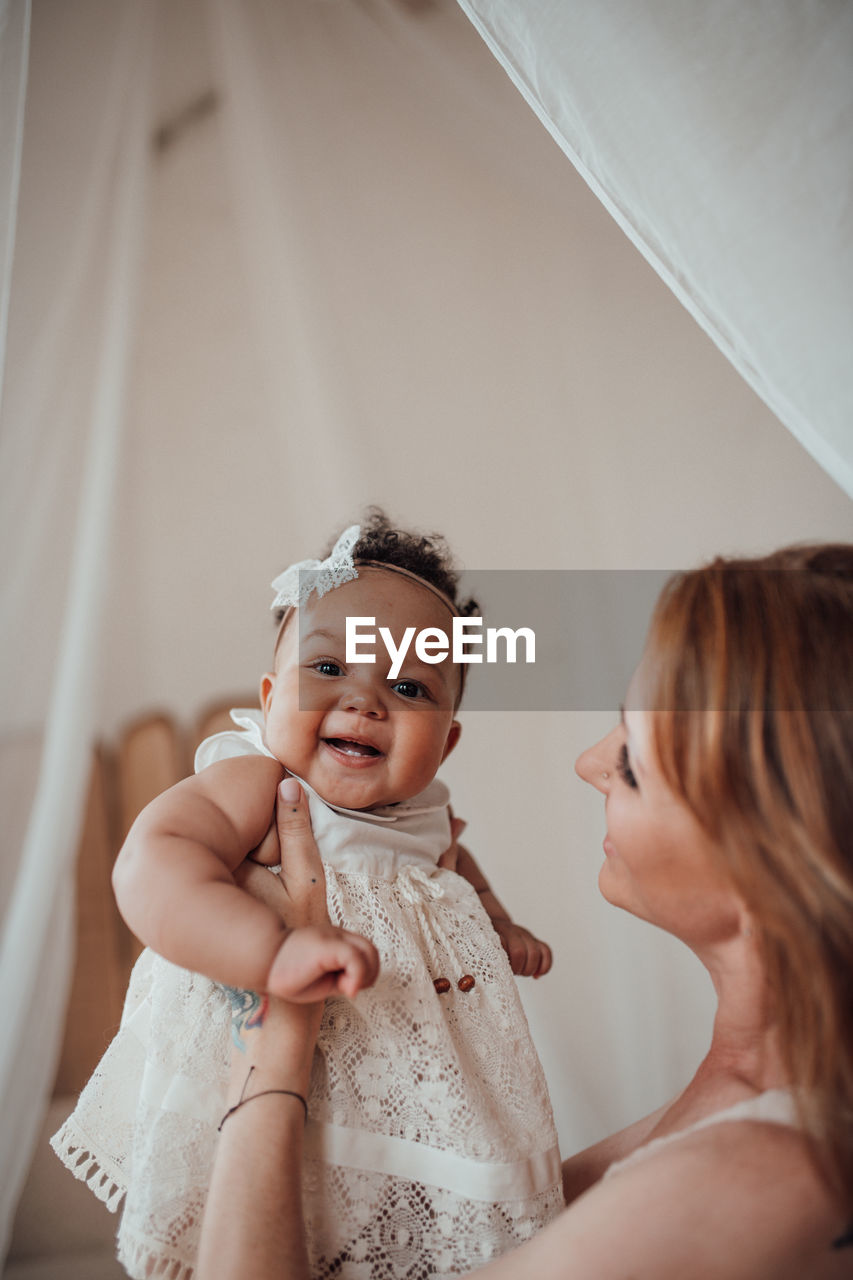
605,774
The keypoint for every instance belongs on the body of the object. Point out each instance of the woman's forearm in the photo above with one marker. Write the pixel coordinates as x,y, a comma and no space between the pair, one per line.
253,1219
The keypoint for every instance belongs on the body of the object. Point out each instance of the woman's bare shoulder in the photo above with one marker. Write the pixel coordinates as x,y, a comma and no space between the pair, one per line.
732,1201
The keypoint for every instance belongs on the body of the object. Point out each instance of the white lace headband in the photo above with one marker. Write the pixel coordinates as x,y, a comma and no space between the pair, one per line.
294,586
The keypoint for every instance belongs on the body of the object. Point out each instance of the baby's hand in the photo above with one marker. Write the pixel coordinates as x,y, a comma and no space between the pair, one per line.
528,956
319,959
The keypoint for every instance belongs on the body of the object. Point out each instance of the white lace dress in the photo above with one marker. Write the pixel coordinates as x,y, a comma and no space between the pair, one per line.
430,1146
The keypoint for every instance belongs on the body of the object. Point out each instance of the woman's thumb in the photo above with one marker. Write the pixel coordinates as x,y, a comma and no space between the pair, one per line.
302,875
290,793
293,820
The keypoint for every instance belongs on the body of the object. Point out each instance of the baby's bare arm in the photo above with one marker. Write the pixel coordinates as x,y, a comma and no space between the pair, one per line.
529,957
173,878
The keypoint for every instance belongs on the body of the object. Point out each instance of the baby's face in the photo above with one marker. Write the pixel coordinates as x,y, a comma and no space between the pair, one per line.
359,738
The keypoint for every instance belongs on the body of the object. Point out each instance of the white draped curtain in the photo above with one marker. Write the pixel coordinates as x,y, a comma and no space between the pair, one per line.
14,47
63,408
355,268
720,138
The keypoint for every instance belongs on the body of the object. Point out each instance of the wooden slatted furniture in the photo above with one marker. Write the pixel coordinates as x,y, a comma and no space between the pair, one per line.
152,753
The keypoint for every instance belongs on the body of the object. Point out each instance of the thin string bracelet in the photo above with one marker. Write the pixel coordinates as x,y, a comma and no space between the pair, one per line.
242,1100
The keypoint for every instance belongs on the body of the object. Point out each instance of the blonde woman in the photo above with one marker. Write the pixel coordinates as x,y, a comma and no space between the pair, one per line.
728,788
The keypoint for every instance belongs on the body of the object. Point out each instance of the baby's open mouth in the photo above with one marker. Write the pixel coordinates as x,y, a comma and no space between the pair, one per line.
351,748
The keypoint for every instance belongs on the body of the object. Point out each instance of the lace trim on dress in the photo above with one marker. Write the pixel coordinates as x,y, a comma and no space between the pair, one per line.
139,1259
76,1154
407,1230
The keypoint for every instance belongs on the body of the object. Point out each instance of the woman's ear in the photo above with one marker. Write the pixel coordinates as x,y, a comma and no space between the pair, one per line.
452,738
267,687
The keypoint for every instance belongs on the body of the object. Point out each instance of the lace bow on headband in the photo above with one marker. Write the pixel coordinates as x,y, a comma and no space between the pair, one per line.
294,586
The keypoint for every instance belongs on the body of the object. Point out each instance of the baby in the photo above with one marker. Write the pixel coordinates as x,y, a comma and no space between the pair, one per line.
430,1143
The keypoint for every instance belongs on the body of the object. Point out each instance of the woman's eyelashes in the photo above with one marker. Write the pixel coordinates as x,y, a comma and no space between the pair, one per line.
623,768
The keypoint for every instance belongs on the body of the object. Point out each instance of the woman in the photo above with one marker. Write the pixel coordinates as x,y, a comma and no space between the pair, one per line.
728,790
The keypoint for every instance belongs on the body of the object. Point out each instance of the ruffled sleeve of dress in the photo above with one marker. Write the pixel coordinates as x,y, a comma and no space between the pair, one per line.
245,740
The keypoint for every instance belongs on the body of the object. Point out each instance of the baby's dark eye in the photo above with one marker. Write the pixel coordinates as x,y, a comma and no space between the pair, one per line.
623,768
409,689
326,667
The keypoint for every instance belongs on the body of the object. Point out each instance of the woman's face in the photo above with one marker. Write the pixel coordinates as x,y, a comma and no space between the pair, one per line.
659,863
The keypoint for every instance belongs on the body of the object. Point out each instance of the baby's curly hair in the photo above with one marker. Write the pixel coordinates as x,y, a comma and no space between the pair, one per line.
426,555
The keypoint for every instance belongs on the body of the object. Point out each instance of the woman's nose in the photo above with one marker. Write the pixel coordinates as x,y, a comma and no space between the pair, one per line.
596,764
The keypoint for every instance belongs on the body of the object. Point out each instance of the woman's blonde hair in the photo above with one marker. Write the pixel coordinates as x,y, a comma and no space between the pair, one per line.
749,665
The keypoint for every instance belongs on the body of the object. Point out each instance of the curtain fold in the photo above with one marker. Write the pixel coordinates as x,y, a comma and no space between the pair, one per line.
14,50
720,138
65,390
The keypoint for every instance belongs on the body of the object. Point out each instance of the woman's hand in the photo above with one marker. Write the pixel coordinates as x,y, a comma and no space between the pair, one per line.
316,958
276,1037
289,842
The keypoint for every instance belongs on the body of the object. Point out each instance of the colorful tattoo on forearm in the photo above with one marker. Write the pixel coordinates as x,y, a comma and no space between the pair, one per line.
248,1010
